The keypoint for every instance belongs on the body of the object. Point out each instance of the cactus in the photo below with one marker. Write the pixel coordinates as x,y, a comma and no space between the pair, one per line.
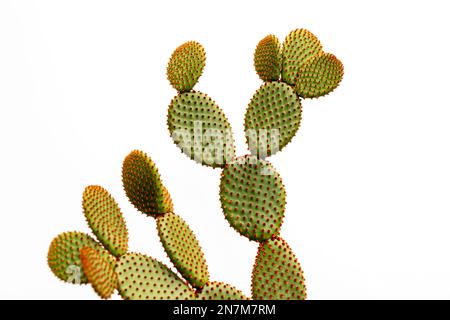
183,249
143,185
319,76
267,58
196,122
220,291
299,46
277,273
252,195
105,219
186,66
64,255
253,198
143,278
272,119
99,273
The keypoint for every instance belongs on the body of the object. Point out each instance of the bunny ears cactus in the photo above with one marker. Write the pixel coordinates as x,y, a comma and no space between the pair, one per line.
186,66
275,111
106,264
252,194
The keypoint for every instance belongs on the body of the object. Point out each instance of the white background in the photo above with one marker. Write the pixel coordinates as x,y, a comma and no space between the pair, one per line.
82,83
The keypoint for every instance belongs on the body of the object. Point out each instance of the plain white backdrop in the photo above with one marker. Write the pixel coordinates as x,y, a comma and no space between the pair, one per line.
82,83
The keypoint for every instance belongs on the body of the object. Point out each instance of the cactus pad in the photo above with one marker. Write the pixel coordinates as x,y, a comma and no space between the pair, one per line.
64,255
267,58
105,219
220,291
299,46
319,76
143,278
200,129
143,185
99,272
183,249
253,198
277,274
186,66
272,118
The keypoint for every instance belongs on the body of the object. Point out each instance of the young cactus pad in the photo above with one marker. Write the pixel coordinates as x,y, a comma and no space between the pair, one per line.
186,66
267,58
272,118
299,46
144,278
105,219
64,256
277,274
183,249
319,76
99,272
200,129
253,198
220,291
143,185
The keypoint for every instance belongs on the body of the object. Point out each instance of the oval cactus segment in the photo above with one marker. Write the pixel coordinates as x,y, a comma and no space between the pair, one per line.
64,256
220,291
272,118
183,249
144,278
277,274
253,198
267,58
99,272
186,66
105,219
200,129
319,76
298,47
143,185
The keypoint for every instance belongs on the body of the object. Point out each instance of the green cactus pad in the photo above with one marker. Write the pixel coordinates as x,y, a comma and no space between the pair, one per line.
183,249
277,274
267,58
186,66
319,76
64,255
299,46
220,291
105,219
253,198
143,185
272,118
144,278
200,129
99,272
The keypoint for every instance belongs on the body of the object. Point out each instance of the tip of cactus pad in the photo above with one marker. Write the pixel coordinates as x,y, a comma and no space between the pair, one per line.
299,46
277,274
186,66
253,198
220,291
143,185
183,249
105,219
272,118
99,272
64,256
200,129
144,278
319,76
267,58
